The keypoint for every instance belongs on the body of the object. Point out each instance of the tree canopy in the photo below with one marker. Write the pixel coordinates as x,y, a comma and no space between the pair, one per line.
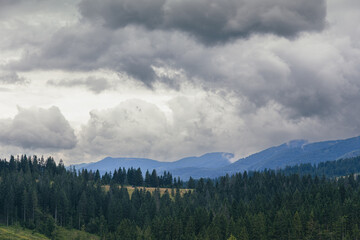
39,194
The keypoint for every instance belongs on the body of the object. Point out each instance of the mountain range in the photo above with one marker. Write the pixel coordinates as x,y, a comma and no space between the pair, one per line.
219,163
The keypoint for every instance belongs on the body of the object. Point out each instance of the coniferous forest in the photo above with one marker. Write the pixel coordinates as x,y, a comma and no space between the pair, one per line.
330,169
39,194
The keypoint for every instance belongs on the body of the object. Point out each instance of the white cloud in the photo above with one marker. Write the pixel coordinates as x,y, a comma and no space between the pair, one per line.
38,128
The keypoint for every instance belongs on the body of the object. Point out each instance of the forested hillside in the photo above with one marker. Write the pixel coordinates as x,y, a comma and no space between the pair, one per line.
329,169
40,195
297,152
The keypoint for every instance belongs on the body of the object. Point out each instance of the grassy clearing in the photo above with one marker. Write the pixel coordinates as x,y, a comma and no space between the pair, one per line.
16,232
73,234
131,189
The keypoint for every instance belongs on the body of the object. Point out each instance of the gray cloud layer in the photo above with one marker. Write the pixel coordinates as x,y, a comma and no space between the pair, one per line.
211,21
10,77
96,85
4,3
38,129
306,80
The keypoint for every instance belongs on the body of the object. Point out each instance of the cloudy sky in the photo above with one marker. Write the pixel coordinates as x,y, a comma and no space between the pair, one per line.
164,79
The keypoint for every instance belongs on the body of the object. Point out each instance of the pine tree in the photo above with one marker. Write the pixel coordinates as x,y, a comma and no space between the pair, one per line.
191,183
296,227
154,182
9,205
138,178
82,209
25,202
147,179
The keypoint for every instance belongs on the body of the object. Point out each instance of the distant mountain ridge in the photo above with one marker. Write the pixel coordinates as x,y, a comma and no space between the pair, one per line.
208,161
217,164
297,152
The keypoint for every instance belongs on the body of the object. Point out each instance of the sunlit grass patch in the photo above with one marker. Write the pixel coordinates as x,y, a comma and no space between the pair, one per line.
17,232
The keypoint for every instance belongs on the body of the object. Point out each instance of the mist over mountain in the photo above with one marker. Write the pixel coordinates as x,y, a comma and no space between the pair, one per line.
216,164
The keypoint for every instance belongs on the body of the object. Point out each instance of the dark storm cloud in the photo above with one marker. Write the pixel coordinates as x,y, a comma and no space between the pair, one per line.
38,129
211,21
83,48
139,68
117,14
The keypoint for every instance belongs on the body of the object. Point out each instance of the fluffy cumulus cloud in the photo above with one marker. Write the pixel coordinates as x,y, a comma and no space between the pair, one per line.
37,128
211,21
138,128
193,125
133,126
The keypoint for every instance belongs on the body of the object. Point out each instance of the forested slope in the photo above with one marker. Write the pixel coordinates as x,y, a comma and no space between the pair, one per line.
329,169
40,195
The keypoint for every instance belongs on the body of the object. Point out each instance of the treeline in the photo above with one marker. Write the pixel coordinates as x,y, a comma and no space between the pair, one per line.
135,177
329,169
39,194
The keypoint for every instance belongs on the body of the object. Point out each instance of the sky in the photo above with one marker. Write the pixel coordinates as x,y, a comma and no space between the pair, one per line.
164,79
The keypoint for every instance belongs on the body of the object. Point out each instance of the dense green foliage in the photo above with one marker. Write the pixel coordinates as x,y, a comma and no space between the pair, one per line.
330,169
41,195
135,177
